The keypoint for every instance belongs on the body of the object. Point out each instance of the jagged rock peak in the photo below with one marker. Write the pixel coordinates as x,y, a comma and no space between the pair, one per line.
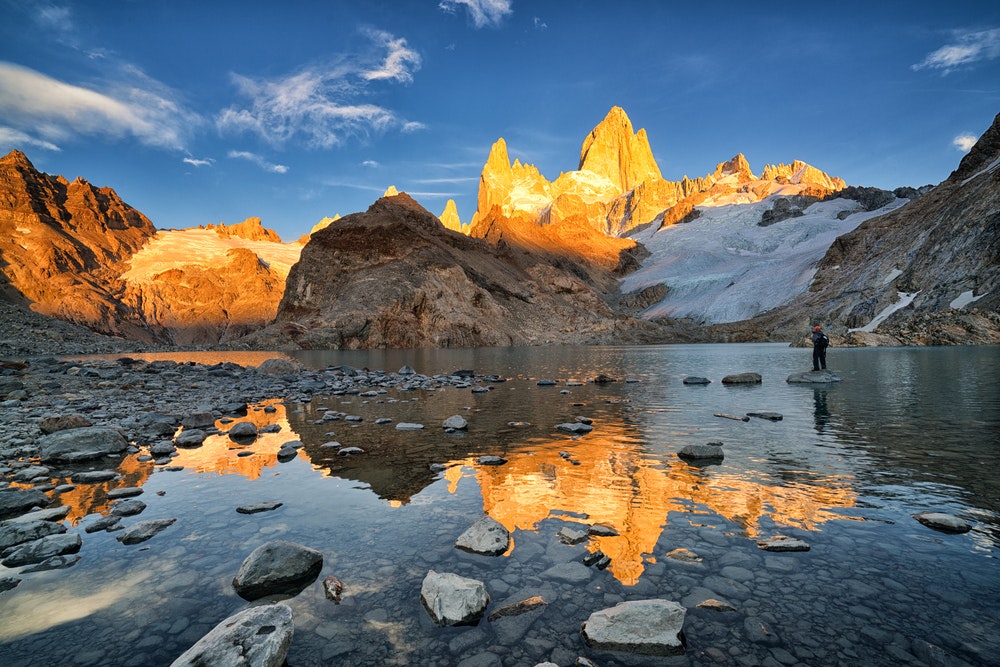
391,191
738,167
325,222
799,172
250,229
614,151
449,217
16,157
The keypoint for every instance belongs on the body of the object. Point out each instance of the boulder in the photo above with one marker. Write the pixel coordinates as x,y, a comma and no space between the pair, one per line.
813,377
243,431
707,451
578,428
19,532
453,600
143,530
782,543
254,637
46,547
649,627
279,366
14,501
694,379
277,568
486,536
742,378
455,423
947,523
81,444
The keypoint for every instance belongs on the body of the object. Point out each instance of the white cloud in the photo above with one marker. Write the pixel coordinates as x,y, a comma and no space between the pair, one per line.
964,142
540,24
11,138
483,12
53,110
413,126
199,162
967,48
259,161
320,104
54,17
370,163
399,63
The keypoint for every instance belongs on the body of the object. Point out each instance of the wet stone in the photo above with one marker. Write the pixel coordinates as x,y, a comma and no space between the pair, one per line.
946,523
39,550
102,523
94,476
128,507
143,530
255,508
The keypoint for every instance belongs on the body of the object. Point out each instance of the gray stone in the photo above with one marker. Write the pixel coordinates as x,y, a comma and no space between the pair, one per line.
16,501
81,444
782,543
198,420
102,523
57,513
94,476
255,637
143,530
277,568
55,423
30,473
453,600
408,426
490,460
19,532
279,366
486,536
243,431
189,437
701,452
694,379
349,451
648,627
254,508
813,377
575,427
125,492
742,378
455,423
128,507
947,523
46,547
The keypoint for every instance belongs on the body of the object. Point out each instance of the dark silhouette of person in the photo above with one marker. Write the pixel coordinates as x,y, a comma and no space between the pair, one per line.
820,343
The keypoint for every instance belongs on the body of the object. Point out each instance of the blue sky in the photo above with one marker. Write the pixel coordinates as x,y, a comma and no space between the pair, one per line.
200,111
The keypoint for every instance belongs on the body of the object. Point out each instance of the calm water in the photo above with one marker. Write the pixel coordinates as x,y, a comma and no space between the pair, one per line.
908,430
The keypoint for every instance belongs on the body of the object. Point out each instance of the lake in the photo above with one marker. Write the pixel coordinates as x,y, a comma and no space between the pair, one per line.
845,469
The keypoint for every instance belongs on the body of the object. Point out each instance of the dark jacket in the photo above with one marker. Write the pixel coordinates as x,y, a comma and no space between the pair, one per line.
820,339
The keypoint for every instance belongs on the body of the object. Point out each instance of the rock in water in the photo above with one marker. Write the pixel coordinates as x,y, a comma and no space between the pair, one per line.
702,452
486,536
143,530
277,568
782,543
81,444
15,501
947,523
453,600
455,423
813,377
649,627
46,547
742,378
255,637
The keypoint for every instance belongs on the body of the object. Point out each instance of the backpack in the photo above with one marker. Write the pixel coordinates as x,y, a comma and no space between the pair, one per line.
824,341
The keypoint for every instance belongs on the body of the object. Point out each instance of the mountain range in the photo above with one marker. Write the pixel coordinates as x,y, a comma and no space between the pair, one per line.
609,253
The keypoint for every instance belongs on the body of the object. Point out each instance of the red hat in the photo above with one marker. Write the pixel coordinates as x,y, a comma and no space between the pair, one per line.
817,328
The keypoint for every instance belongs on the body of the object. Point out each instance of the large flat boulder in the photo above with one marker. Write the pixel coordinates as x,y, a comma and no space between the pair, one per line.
486,536
649,627
451,599
14,501
46,547
255,637
277,568
82,444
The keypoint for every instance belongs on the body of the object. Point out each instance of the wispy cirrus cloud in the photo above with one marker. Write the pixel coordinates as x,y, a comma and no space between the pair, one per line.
199,162
964,142
47,110
322,105
966,48
259,161
482,12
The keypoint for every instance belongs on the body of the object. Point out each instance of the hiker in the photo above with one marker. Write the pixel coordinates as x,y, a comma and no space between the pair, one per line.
820,343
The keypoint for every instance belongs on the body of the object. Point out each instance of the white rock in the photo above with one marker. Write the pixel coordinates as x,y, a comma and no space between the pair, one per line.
650,627
944,522
453,600
408,426
455,422
486,536
254,637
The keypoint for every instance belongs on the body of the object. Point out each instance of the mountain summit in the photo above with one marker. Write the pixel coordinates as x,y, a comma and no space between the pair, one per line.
612,150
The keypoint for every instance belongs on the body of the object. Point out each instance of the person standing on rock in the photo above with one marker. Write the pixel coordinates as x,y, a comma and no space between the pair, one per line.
820,342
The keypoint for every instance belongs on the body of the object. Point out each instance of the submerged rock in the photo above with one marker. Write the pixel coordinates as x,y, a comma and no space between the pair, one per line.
453,600
694,379
742,378
255,637
649,627
277,568
782,543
